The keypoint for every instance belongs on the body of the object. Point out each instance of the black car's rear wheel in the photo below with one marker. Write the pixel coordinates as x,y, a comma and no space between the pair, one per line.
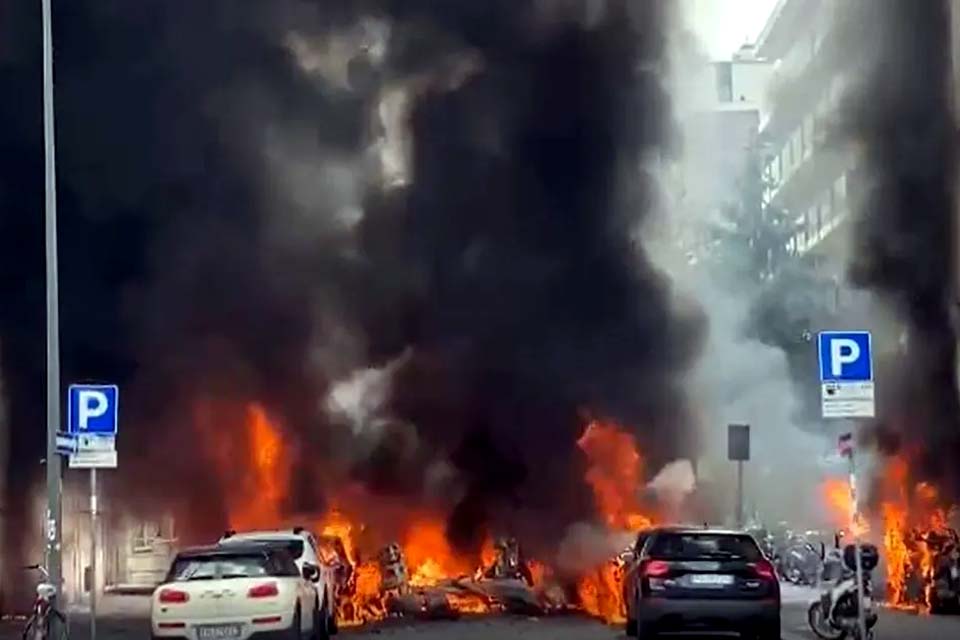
644,631
769,630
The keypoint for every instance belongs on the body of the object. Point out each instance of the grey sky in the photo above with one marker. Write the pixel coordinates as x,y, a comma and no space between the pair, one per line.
724,25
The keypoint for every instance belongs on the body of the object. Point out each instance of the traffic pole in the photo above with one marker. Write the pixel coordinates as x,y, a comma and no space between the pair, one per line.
94,544
861,614
54,487
739,494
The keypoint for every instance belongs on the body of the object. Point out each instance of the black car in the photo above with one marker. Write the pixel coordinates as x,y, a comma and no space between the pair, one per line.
701,580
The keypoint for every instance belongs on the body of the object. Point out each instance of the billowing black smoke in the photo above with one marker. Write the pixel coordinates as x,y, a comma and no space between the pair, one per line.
215,158
900,115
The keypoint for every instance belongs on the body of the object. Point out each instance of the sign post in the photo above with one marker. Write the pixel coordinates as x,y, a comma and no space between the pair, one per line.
846,449
738,449
92,419
847,391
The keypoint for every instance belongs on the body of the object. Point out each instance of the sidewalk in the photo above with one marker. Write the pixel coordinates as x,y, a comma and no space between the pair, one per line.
119,617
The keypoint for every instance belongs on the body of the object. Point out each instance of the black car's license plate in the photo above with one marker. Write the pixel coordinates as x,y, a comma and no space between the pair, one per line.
218,632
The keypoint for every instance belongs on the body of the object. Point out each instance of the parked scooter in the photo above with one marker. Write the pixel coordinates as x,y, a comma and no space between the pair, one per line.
835,615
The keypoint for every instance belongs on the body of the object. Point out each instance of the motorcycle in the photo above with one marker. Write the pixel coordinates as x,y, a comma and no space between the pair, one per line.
835,615
800,562
945,592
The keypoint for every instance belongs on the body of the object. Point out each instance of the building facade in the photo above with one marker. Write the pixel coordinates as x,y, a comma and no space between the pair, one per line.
719,106
134,552
808,175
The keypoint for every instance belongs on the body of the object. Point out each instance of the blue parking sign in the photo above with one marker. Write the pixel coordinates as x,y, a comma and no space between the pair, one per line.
92,409
845,356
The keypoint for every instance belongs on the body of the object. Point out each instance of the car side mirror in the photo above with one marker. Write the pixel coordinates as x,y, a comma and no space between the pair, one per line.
311,572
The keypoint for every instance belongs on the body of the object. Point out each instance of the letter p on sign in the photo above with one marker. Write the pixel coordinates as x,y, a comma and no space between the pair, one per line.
843,351
90,404
845,356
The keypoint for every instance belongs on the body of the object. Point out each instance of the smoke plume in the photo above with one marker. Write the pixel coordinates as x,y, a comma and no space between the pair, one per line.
259,201
899,114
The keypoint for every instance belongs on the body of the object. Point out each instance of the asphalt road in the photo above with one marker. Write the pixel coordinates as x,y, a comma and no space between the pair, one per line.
131,624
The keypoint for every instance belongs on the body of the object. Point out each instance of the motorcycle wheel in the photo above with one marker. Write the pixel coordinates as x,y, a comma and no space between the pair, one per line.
820,626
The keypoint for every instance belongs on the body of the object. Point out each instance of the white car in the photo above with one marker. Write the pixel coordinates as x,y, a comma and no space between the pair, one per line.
236,592
302,545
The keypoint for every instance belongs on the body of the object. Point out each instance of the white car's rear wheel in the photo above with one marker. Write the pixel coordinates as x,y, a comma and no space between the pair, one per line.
297,626
332,627
321,620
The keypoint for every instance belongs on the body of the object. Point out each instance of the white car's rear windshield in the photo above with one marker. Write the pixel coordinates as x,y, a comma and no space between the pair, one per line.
226,566
293,546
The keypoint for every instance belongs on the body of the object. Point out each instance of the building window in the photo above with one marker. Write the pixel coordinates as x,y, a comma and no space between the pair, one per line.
724,72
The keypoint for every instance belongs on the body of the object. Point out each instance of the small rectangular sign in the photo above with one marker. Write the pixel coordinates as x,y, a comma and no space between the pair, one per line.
94,442
94,460
738,442
66,444
847,399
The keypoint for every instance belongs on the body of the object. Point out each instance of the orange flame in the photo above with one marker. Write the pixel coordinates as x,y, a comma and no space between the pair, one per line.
615,475
601,593
250,460
839,500
364,602
897,555
909,519
429,556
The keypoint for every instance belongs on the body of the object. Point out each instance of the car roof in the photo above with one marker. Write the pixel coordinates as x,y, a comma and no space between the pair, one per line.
698,530
265,535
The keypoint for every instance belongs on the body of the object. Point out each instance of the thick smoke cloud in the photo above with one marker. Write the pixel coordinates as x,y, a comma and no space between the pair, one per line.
226,234
899,113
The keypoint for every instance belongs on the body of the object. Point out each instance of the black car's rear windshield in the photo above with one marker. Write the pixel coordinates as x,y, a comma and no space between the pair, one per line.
714,546
222,566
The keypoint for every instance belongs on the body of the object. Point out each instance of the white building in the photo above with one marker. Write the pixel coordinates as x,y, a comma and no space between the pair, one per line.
808,177
719,107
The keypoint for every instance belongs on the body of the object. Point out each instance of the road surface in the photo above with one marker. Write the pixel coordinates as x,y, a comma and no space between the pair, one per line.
127,620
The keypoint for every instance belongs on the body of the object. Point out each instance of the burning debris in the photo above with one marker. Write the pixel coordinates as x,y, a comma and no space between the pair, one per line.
919,543
409,566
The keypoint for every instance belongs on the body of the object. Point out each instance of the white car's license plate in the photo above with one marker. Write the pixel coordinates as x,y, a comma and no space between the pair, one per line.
218,631
711,580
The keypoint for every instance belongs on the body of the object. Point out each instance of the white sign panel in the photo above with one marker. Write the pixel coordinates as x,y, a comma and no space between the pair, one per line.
94,460
91,442
846,374
847,399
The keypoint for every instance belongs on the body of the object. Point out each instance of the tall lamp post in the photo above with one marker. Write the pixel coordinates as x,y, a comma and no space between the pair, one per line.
54,488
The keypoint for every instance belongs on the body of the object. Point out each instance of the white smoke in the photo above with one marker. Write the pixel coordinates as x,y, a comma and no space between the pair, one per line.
673,484
360,399
738,379
587,546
